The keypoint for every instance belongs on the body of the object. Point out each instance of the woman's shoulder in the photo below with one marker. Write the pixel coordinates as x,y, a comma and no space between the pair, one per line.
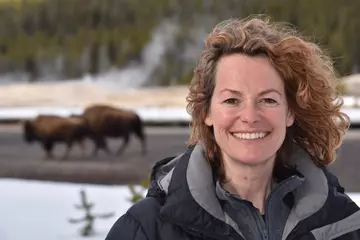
148,207
139,222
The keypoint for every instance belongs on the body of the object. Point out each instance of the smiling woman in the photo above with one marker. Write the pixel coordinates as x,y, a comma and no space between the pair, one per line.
248,112
263,131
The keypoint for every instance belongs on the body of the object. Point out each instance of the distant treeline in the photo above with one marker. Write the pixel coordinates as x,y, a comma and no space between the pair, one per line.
33,32
32,29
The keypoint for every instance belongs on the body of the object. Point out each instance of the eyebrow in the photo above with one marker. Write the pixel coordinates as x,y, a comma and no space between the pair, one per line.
269,91
260,94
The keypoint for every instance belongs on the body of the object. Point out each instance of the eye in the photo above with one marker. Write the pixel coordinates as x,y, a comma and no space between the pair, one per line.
231,101
269,101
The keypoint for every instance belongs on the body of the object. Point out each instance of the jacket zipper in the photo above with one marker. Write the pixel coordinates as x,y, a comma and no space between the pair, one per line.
267,202
260,223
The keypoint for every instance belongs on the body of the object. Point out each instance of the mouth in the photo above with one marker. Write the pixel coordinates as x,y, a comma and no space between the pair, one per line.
250,136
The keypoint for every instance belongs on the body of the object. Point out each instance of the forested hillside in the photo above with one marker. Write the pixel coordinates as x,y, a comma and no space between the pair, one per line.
88,36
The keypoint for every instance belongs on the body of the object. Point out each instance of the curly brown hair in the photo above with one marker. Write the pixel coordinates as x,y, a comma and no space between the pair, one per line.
309,78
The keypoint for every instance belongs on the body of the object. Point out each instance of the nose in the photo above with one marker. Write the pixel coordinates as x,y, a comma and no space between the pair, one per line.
249,113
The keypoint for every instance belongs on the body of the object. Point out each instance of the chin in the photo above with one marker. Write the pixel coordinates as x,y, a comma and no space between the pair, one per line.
252,160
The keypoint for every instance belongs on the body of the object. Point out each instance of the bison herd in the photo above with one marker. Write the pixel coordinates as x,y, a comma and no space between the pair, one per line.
96,123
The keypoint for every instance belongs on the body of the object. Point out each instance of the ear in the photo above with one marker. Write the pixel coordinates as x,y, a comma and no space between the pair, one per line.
208,120
290,119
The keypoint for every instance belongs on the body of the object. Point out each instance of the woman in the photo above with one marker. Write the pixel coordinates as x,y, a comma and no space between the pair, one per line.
265,125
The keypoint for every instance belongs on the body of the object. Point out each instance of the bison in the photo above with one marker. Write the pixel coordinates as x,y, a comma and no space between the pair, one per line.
110,122
51,129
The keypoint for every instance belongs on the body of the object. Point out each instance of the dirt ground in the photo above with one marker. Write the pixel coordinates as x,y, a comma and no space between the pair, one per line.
19,160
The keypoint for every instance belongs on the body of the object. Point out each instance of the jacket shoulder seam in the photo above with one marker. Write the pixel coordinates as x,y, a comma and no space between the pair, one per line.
345,231
337,229
138,222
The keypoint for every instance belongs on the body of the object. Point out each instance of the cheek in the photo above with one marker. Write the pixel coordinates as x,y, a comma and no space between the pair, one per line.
224,118
277,117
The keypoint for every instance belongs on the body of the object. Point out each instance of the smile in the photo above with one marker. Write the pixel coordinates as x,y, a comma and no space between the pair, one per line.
250,136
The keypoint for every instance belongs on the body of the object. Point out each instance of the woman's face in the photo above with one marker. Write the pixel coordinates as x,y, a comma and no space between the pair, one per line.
248,112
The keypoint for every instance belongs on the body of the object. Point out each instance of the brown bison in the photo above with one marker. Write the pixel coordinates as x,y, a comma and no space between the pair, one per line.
51,129
110,122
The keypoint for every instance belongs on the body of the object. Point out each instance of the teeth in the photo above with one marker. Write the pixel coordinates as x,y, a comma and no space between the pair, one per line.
250,135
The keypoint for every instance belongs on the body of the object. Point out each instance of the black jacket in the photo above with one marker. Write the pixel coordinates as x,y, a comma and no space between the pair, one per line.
182,204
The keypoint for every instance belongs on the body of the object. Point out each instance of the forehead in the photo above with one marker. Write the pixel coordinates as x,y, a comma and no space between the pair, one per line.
238,71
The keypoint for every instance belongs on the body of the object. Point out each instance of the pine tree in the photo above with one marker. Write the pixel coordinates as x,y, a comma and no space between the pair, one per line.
89,218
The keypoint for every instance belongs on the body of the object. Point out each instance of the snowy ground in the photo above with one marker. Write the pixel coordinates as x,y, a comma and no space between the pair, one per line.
81,94
40,210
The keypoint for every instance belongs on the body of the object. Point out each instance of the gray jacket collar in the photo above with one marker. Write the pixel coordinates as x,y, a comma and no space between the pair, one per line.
309,197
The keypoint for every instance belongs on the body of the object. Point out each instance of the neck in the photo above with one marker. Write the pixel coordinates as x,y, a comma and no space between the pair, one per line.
250,182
